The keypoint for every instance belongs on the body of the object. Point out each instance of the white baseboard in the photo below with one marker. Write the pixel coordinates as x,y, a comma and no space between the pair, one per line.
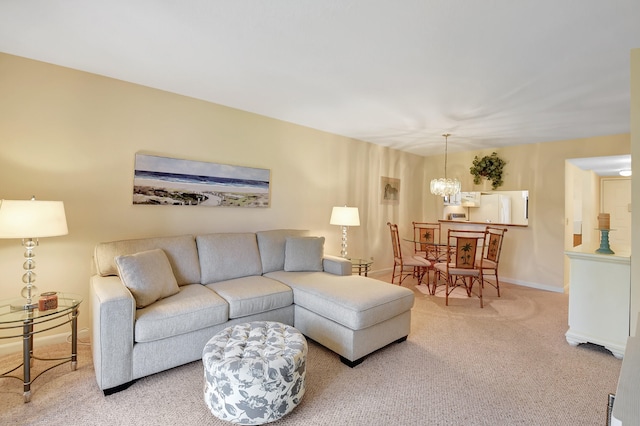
381,272
16,347
532,285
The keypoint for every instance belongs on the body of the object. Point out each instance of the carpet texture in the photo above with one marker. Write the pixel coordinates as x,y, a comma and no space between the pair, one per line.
506,364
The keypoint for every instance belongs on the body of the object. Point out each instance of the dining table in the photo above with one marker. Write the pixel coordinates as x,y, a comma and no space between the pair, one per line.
438,253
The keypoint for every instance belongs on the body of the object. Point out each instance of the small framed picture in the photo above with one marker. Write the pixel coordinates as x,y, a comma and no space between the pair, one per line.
389,190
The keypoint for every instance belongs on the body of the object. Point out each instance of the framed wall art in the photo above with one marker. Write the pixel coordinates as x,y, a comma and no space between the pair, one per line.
172,181
389,190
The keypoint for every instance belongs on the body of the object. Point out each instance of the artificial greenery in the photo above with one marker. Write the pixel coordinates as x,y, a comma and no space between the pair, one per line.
490,167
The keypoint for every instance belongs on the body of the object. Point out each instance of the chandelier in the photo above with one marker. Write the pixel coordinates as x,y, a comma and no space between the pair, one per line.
445,187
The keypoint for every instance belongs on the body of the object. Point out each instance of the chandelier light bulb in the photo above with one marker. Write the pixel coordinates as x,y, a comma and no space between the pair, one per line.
445,187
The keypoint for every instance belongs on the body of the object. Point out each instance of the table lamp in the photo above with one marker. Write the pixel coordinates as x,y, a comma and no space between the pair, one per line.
345,217
29,220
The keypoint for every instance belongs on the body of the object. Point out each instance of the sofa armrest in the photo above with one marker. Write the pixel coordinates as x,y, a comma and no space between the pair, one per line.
113,314
336,265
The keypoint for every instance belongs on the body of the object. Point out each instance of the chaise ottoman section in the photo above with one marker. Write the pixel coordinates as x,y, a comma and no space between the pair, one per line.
351,315
354,301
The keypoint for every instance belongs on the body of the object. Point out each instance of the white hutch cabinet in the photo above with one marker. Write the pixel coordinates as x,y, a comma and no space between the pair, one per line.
599,297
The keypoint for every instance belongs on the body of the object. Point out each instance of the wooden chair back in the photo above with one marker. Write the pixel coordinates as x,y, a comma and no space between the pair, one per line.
494,237
395,240
425,234
464,246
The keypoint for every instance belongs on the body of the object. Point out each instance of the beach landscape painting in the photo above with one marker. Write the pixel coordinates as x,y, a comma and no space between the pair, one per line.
170,181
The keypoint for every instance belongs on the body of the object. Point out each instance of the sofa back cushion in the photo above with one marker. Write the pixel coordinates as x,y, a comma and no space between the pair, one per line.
148,275
272,247
303,254
226,256
181,252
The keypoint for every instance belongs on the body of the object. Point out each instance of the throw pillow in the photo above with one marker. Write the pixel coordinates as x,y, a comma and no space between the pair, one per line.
148,275
303,254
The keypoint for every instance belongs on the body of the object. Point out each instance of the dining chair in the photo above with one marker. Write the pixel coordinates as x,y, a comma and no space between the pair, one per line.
461,269
426,242
417,265
426,236
491,253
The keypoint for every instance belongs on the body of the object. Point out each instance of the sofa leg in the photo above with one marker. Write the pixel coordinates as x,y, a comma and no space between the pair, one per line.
351,364
358,361
118,388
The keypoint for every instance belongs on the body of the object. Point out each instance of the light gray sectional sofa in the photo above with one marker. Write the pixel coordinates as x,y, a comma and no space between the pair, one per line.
157,301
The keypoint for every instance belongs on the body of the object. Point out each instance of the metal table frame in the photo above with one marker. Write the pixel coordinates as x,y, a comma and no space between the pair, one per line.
22,323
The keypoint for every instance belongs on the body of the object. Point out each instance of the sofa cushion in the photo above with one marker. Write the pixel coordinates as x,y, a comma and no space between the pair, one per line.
228,256
303,254
252,295
195,307
181,252
272,247
147,275
353,301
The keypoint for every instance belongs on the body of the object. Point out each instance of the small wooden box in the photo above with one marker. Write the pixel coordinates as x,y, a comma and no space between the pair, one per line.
48,300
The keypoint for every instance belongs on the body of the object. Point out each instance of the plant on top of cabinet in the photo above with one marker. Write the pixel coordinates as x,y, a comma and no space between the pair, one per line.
490,167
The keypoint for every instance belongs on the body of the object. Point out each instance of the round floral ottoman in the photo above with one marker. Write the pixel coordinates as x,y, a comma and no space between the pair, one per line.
254,372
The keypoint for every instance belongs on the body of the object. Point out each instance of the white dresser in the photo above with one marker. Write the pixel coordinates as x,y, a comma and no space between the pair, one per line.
599,297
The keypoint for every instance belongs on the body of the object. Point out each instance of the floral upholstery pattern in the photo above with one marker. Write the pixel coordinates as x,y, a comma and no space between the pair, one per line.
254,373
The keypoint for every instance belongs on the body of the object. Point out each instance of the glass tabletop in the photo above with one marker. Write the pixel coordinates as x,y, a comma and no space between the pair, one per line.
11,310
360,262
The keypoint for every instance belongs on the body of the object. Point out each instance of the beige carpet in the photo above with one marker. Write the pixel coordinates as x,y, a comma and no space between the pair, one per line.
506,364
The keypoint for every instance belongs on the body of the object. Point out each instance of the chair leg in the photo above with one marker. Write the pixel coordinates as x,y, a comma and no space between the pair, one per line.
480,282
418,274
497,283
446,291
432,289
436,278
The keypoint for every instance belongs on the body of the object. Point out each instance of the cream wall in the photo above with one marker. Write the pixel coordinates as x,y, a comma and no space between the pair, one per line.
582,203
71,136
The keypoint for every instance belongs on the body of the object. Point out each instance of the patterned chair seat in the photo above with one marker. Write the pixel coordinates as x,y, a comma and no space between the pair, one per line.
254,373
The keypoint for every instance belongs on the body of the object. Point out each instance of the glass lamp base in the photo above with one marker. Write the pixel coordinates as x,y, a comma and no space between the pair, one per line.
30,294
22,305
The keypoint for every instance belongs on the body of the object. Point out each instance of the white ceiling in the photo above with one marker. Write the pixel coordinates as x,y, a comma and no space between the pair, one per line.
604,166
396,73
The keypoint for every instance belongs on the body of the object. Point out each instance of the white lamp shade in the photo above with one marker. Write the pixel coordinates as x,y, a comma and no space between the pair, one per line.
345,216
32,219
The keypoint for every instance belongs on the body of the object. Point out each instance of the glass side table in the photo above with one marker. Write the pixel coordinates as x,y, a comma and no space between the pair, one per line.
24,323
361,266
